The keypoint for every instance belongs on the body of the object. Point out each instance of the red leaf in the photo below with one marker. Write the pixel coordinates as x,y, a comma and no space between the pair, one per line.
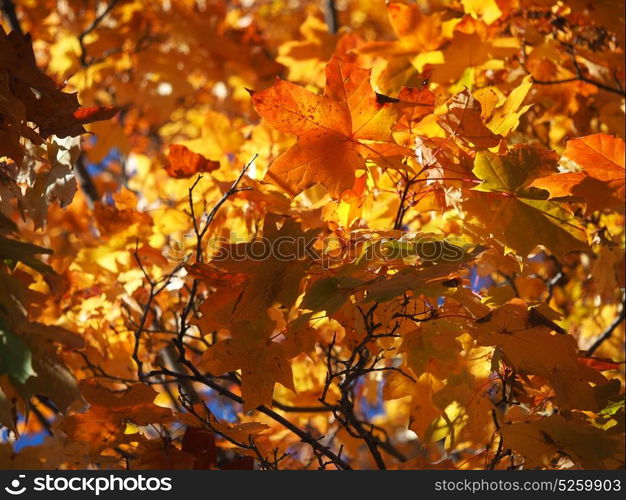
95,114
184,163
601,364
201,444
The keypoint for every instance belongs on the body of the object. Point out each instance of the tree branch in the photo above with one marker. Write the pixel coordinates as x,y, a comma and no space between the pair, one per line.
606,334
85,180
94,24
580,76
330,13
8,9
184,363
304,436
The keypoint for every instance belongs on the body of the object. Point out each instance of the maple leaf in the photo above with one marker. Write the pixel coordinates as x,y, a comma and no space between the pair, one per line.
157,454
352,313
464,389
415,30
601,156
330,293
184,163
600,183
423,410
103,424
262,362
58,184
220,137
95,114
510,173
201,444
505,118
415,104
519,205
306,58
274,264
532,349
463,121
539,441
32,96
432,281
274,269
487,10
455,63
336,132
433,341
419,36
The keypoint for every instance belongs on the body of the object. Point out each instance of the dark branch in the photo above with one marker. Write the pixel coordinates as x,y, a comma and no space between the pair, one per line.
94,24
330,13
304,436
578,70
606,334
86,181
8,9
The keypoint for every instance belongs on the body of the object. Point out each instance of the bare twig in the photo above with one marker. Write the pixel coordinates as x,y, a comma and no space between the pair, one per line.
579,75
94,24
264,461
304,436
360,363
184,363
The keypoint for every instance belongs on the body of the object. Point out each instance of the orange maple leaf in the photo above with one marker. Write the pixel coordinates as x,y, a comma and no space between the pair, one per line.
600,182
184,163
336,132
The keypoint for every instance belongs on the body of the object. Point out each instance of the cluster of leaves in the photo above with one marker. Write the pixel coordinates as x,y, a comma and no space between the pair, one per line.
312,234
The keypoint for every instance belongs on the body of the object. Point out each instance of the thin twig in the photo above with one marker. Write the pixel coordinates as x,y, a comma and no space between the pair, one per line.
304,436
579,75
94,24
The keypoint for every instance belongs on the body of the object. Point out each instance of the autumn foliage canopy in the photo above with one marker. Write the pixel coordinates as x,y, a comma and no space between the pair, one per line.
312,234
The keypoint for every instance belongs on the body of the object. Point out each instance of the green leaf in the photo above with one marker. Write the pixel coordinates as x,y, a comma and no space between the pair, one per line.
528,223
431,281
612,408
329,294
427,248
15,356
512,171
